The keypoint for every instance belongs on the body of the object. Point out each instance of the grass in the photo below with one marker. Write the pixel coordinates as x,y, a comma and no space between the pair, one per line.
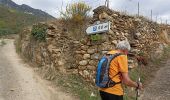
79,87
146,73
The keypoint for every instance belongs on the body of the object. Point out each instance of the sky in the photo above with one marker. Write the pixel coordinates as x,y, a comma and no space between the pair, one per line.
160,8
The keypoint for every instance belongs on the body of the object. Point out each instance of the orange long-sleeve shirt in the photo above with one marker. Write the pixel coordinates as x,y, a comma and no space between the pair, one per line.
119,64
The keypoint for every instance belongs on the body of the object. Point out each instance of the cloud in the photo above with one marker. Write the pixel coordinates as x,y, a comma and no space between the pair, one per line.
160,8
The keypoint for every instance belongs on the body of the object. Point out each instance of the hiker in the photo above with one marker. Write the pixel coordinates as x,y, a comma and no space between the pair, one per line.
118,72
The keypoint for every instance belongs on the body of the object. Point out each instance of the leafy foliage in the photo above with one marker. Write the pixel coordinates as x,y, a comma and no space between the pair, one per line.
39,31
75,19
77,12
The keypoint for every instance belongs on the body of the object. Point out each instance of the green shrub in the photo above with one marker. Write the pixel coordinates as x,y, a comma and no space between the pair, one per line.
39,32
75,18
76,12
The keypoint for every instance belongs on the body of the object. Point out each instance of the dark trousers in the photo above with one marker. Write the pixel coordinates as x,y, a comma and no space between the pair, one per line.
108,96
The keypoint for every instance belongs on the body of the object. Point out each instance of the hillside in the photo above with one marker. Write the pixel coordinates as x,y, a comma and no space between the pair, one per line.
11,21
26,9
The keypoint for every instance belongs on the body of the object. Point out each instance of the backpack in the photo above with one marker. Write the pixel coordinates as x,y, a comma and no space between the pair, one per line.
102,74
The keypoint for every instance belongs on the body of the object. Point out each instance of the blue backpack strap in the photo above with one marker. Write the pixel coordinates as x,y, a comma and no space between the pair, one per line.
111,83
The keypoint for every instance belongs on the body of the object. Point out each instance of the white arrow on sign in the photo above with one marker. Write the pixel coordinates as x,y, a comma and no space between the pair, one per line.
99,28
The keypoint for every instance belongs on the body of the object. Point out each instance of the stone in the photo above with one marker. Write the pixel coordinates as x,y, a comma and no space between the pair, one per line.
83,62
86,56
137,35
104,52
51,27
38,59
95,56
131,66
81,73
78,52
117,33
104,16
76,42
107,46
60,63
114,15
89,67
84,47
78,57
111,32
81,67
86,73
93,63
130,61
114,42
83,52
50,48
54,56
91,51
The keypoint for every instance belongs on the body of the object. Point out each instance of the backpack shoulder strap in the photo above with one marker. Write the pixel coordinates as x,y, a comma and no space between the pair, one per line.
113,56
111,82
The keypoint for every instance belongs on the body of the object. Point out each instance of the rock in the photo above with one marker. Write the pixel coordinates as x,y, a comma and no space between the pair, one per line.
86,73
111,32
93,63
137,35
60,63
78,57
130,61
86,56
51,27
81,67
51,48
114,42
114,15
83,62
50,34
89,67
104,16
91,51
95,56
84,47
107,46
83,52
76,42
56,50
78,52
38,59
81,73
131,66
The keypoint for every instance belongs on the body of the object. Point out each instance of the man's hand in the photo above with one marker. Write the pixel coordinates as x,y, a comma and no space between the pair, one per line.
140,86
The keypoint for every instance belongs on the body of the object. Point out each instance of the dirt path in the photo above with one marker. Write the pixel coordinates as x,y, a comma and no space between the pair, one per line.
159,88
18,81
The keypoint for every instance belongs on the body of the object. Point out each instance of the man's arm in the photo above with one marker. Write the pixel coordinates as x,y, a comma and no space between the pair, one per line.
126,80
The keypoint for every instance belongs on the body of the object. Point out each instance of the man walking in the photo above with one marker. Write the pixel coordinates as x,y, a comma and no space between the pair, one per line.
118,72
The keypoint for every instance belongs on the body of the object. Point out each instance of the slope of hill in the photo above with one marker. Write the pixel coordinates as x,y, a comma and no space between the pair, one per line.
12,21
26,9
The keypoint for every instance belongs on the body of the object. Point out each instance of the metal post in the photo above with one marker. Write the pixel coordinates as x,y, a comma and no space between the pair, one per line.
151,15
156,18
138,9
107,3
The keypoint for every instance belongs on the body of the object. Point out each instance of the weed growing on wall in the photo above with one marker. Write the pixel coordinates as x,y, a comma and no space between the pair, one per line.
39,32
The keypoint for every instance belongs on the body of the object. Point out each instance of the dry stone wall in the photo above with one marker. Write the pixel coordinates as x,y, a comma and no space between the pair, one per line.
63,53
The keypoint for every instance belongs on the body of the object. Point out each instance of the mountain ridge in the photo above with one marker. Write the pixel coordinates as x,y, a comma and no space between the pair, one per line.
26,9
